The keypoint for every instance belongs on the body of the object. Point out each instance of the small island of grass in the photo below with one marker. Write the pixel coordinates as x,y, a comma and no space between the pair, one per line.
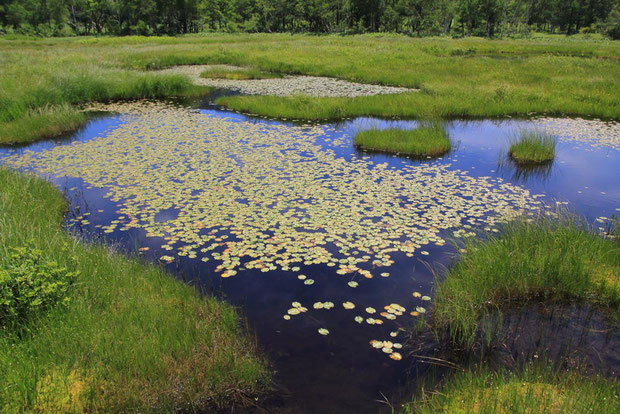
541,259
533,146
425,141
232,73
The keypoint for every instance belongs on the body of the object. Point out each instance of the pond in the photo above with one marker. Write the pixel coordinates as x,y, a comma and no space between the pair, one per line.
323,247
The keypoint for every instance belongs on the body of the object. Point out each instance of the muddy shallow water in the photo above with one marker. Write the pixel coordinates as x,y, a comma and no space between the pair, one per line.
290,222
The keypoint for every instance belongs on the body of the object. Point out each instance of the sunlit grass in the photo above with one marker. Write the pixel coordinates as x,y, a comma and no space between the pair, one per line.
237,74
42,123
426,140
535,388
533,146
559,259
456,77
132,339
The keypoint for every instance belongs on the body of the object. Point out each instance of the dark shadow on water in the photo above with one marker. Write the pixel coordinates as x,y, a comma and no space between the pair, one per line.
524,173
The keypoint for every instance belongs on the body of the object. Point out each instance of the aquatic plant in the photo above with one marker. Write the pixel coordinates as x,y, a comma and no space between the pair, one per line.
427,140
533,146
288,206
541,259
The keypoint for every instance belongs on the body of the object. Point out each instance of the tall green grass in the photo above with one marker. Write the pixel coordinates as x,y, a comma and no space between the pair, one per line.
535,388
533,146
42,123
455,77
426,140
545,259
132,339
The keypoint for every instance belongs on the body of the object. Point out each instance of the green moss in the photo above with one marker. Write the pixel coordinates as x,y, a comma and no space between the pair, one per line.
131,338
543,259
424,141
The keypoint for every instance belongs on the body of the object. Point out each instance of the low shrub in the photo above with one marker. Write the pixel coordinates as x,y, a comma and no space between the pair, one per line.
30,285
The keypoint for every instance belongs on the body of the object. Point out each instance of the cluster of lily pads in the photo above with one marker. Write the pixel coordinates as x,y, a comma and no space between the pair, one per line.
267,196
594,132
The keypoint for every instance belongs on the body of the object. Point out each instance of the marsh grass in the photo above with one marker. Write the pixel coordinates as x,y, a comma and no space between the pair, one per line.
132,338
543,259
535,388
42,123
238,74
430,139
494,78
532,146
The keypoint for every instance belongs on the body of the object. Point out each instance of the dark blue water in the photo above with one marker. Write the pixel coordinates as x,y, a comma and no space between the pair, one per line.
341,372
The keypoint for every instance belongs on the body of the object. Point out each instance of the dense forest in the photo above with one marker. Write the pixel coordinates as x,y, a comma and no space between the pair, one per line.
490,18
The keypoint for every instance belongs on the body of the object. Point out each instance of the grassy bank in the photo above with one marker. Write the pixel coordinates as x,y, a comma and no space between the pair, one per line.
533,146
37,90
132,338
42,123
424,141
533,389
237,74
455,77
544,259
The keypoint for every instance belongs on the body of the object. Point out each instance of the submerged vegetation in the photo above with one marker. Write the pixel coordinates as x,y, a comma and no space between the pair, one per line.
533,146
427,140
530,260
130,338
535,388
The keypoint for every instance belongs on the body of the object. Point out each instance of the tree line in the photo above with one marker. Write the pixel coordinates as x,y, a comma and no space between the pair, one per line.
490,18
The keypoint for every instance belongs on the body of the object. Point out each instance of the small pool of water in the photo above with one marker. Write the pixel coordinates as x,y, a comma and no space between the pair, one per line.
285,219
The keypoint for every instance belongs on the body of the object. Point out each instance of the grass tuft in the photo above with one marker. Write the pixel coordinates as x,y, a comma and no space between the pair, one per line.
535,388
131,339
533,146
428,140
530,260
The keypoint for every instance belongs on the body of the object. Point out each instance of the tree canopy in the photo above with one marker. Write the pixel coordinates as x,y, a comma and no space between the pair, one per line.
491,18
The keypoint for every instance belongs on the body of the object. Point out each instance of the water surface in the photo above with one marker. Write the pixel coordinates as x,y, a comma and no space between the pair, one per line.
285,219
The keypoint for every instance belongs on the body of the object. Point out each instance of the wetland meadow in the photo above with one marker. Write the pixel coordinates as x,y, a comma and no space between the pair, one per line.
309,224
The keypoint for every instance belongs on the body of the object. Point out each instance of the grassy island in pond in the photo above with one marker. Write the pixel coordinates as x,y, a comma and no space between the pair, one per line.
532,389
533,147
544,259
424,141
130,339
